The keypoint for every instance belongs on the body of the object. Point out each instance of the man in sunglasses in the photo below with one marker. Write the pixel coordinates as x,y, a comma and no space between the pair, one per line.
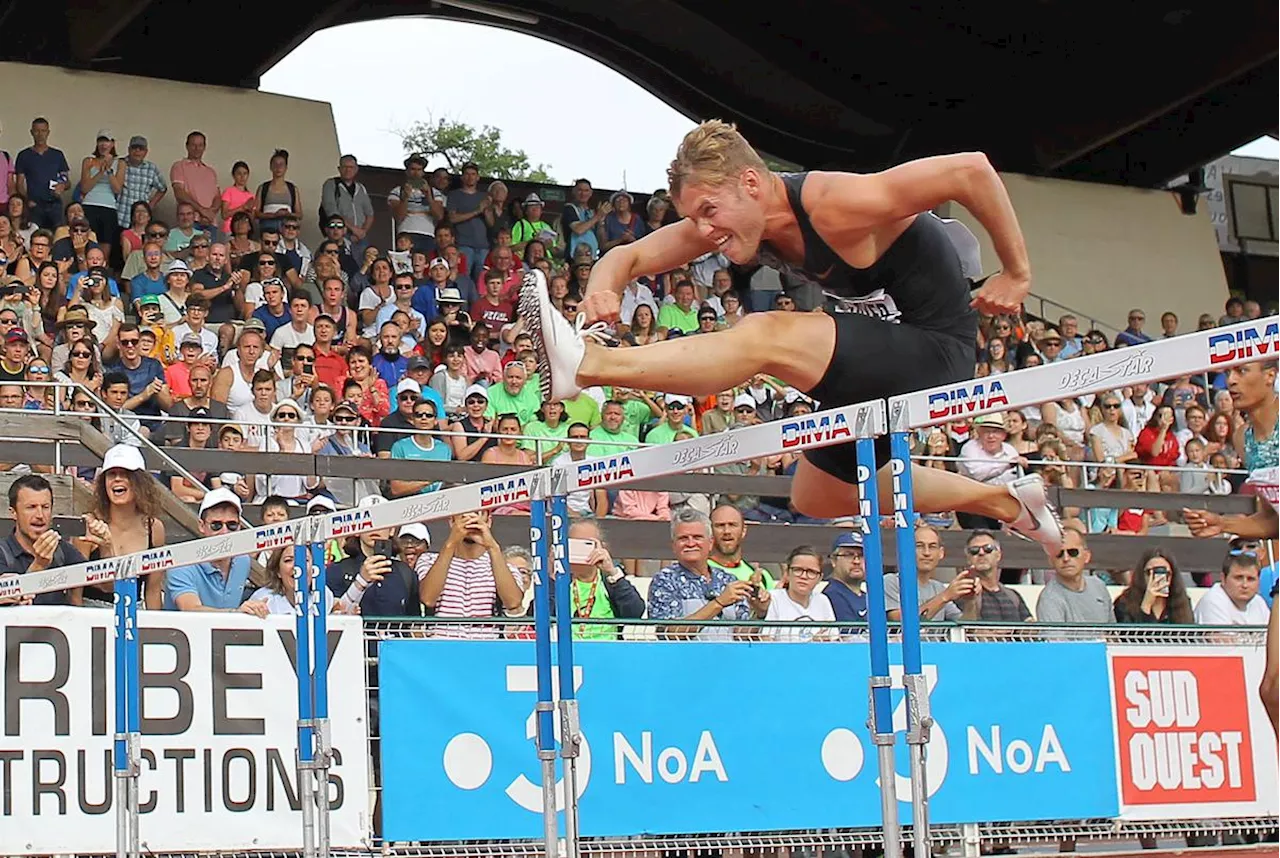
217,585
1073,595
996,602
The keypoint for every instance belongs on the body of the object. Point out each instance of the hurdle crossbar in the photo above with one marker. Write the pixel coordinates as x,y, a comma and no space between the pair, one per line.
1211,350
819,429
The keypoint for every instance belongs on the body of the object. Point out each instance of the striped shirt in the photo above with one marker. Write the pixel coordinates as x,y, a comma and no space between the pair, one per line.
470,591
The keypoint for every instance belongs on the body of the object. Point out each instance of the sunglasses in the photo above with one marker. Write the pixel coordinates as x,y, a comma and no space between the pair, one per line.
82,354
570,308
80,229
675,406
975,550
304,361
162,233
1068,552
335,226
744,409
270,242
286,415
424,415
77,324
477,400
219,526
130,342
8,321
266,262
37,370
1244,552
409,394
1111,406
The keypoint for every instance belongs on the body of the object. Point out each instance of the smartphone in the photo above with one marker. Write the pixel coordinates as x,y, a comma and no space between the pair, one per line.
580,550
1160,583
384,547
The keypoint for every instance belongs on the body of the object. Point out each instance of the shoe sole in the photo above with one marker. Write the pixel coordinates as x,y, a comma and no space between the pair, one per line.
1043,499
531,312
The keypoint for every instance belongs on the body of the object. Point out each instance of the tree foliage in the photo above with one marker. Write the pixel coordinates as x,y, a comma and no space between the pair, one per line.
457,143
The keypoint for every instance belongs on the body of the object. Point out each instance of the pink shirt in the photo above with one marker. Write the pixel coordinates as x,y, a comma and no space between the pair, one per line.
642,506
200,180
234,198
482,366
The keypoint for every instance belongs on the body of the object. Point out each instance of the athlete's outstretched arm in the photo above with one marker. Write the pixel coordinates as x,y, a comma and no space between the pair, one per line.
662,250
867,201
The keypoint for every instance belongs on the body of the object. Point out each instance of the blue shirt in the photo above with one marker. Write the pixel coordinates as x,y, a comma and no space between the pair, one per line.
206,581
846,604
424,300
391,371
1267,584
144,285
439,451
42,172
139,378
111,284
1131,338
270,322
677,592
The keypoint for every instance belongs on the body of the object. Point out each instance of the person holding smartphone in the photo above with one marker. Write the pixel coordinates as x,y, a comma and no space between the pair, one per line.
469,578
1156,593
600,589
372,565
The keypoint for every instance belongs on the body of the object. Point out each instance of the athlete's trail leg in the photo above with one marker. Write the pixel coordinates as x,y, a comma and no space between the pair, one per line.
816,493
795,347
1269,689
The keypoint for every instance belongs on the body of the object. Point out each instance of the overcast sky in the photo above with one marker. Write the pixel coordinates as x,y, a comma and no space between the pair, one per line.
565,110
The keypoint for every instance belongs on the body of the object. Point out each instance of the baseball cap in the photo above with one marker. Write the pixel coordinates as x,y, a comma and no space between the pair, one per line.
177,266
676,399
346,406
191,340
744,400
995,421
708,313
254,324
407,385
124,456
287,402
370,501
449,295
321,502
105,134
16,335
198,412
417,362
852,539
416,530
148,299
476,390
219,497
439,260
138,141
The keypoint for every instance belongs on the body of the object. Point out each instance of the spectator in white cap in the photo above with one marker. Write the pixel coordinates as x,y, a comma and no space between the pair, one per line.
408,394
745,410
473,430
673,427
173,301
988,458
216,585
622,225
414,539
127,500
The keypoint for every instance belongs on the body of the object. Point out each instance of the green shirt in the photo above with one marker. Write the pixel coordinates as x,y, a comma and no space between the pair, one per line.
602,434
542,430
671,316
524,405
743,572
591,600
582,409
664,434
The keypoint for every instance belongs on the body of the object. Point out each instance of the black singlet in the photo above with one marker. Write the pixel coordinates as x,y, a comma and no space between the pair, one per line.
918,280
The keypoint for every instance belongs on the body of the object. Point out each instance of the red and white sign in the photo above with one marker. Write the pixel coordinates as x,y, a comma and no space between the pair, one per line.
1192,740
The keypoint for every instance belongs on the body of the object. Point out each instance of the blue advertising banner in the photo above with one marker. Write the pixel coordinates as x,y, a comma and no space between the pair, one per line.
704,737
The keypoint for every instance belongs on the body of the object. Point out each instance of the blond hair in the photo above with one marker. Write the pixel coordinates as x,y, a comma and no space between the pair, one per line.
711,154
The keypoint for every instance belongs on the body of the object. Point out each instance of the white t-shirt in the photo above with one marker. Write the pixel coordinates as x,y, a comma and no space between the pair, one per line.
288,337
232,358
253,424
417,217
1215,608
784,609
579,502
253,296
1112,445
371,300
208,338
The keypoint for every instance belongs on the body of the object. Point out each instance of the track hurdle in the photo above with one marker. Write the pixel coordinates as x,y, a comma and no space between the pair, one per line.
1212,350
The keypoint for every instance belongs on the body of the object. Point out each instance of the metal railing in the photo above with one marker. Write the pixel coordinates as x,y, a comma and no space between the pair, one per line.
1042,302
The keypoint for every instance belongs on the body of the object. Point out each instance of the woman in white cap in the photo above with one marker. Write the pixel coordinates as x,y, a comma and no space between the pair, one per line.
127,499
474,432
284,439
622,225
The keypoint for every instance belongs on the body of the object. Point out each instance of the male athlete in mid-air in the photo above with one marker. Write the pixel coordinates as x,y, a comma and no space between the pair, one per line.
899,316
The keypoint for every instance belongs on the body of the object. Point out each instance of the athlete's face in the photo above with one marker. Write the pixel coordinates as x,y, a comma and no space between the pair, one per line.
729,214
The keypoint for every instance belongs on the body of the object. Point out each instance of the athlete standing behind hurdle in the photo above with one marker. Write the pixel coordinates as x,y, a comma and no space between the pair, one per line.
899,316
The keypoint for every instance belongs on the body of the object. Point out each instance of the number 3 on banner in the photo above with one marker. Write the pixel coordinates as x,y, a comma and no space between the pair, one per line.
523,679
936,756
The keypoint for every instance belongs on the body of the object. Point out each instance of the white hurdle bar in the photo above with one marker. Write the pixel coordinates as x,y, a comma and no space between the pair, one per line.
1211,350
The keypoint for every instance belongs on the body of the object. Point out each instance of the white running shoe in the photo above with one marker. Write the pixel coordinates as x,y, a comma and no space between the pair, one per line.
559,345
1037,521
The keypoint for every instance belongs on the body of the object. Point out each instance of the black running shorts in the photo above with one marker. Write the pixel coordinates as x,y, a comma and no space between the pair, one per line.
875,359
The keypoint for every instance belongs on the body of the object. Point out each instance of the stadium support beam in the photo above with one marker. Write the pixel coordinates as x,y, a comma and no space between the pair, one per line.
93,24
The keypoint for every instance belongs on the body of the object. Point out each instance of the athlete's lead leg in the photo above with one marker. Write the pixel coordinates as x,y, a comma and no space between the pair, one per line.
795,347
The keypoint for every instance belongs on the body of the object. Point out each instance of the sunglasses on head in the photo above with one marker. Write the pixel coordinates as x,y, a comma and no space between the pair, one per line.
975,550
1068,552
219,526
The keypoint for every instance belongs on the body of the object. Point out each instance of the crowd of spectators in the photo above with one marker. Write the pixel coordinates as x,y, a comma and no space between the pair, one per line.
224,330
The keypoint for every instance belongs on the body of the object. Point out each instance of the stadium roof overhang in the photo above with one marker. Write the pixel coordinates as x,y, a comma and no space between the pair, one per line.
1134,93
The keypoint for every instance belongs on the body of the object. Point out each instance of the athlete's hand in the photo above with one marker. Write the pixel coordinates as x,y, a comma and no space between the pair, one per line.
602,306
1202,522
1002,293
